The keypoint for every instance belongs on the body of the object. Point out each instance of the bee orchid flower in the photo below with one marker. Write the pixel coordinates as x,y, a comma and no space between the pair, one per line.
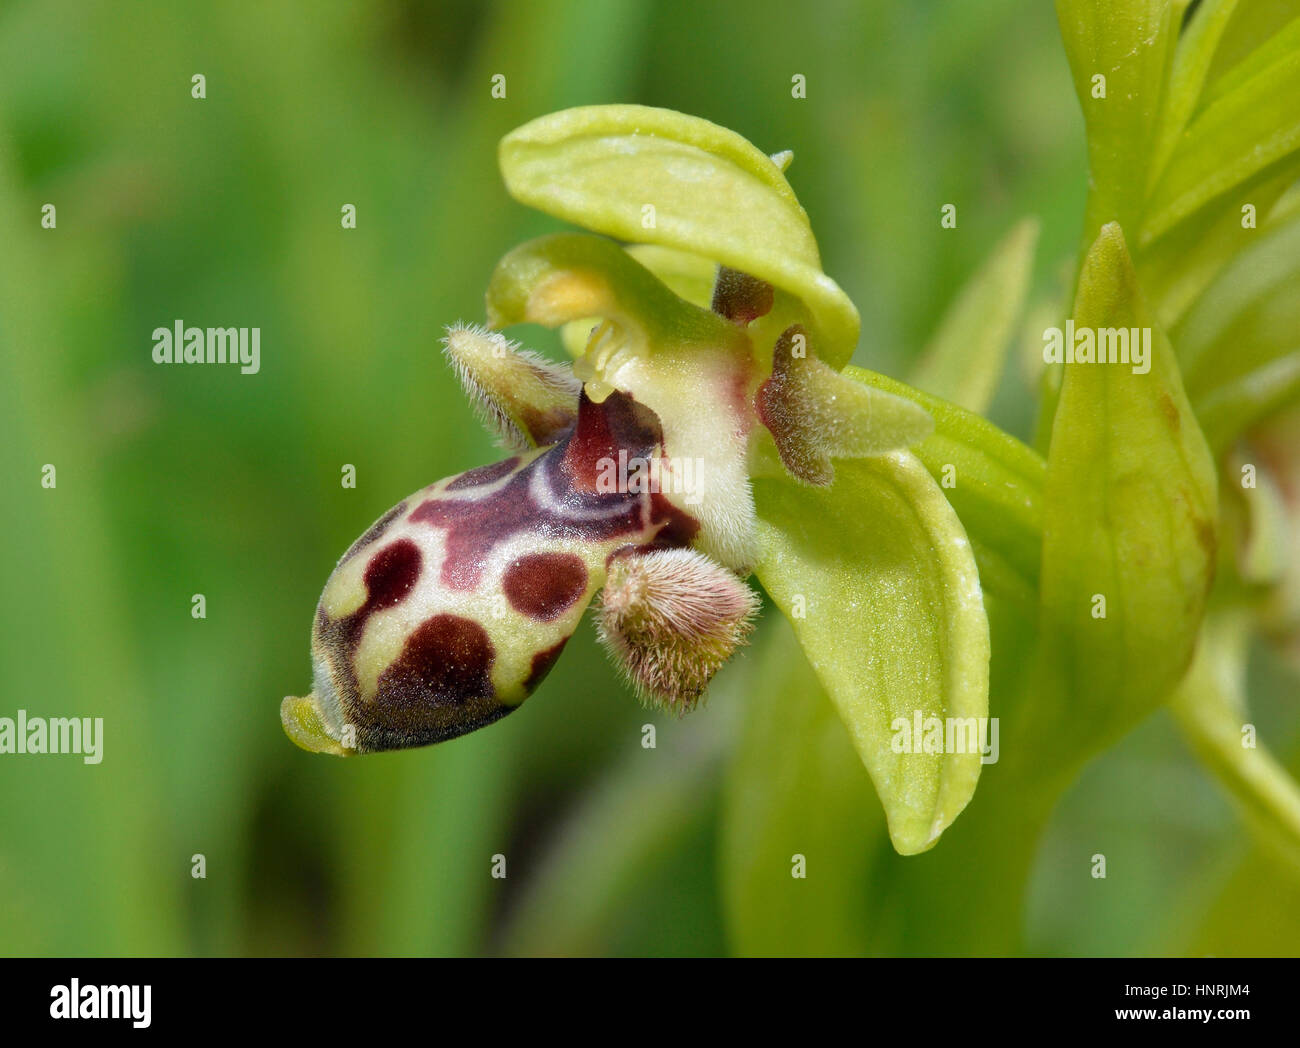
706,432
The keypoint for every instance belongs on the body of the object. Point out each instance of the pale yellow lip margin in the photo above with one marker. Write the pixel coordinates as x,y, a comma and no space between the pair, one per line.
302,723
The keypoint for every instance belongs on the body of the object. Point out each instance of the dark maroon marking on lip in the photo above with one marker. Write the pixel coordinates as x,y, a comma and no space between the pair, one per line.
541,665
375,530
391,575
375,734
473,526
616,424
481,475
544,586
678,528
406,711
447,661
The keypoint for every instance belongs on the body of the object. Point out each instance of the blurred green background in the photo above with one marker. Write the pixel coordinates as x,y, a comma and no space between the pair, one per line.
177,481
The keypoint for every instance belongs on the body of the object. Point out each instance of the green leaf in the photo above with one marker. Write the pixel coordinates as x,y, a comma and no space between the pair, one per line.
879,582
1129,517
994,482
1192,60
795,786
1130,44
713,194
963,360
1210,707
1239,346
1177,267
1272,44
1233,138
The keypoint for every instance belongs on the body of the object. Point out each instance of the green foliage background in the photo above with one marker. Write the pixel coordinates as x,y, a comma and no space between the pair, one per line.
199,480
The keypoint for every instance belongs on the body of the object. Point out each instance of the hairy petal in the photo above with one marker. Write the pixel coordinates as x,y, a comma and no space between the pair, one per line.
523,398
670,619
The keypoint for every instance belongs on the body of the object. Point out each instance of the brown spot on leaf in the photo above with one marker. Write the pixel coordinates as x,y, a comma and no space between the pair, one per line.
1206,537
1170,410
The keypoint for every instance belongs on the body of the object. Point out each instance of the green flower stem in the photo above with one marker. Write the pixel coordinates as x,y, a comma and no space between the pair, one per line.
1209,707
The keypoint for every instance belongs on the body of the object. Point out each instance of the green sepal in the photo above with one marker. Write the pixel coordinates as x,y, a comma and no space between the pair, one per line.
646,175
876,576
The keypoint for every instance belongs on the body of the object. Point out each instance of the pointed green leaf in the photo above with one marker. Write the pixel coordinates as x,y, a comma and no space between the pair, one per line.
1271,42
1233,138
1192,60
655,176
1239,346
1177,267
1130,511
964,358
879,582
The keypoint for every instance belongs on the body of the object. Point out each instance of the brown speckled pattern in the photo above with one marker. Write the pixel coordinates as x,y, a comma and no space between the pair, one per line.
453,607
